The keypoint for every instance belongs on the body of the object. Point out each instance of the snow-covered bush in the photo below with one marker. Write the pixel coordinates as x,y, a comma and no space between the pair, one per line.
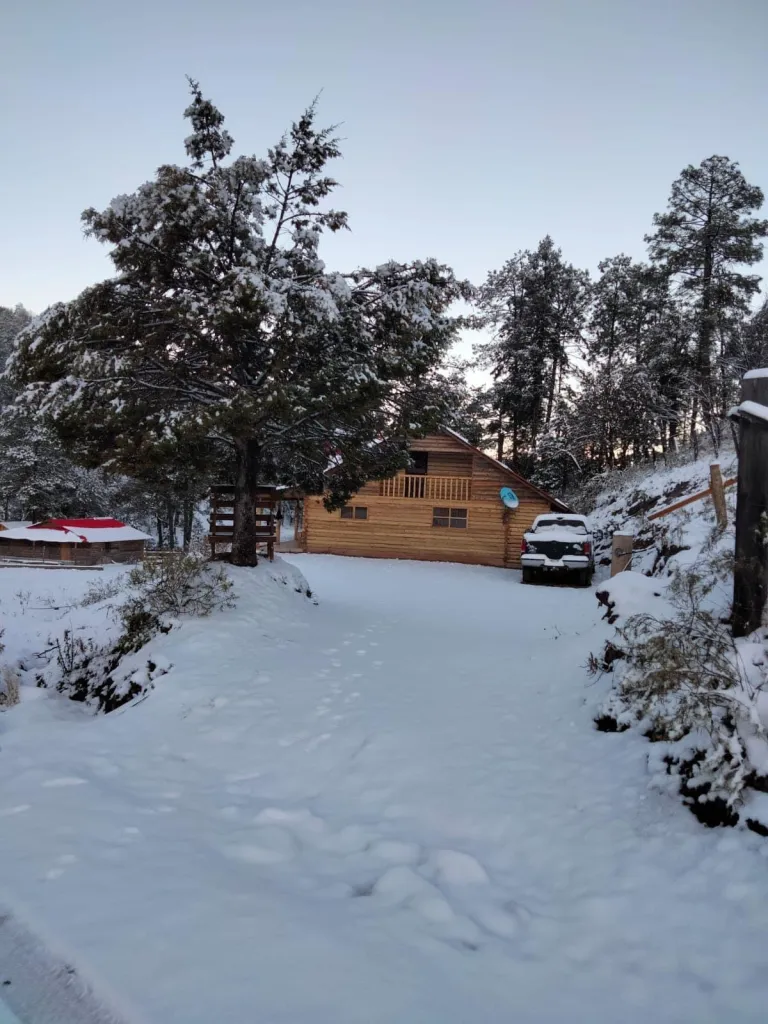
109,675
682,678
180,584
9,687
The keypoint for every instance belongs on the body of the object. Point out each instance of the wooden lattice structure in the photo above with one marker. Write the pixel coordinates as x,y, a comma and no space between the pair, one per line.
222,520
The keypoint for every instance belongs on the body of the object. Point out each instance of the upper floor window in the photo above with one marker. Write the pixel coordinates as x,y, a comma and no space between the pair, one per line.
455,518
419,463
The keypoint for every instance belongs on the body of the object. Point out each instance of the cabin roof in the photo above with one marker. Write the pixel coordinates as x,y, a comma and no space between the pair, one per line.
75,531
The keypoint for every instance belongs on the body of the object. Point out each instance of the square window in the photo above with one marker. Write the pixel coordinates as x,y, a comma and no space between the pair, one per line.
347,512
361,512
453,518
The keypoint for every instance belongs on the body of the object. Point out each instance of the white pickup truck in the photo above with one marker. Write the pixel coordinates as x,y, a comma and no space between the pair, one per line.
558,543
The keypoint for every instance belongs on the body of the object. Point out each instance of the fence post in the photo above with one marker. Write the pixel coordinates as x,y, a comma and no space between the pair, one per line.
718,495
621,552
750,578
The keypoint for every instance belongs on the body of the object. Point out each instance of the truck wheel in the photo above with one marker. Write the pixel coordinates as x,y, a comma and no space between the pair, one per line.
528,576
585,577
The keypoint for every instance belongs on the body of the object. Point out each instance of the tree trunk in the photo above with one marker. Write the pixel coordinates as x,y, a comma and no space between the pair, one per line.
500,437
245,541
159,532
706,331
189,518
170,513
551,392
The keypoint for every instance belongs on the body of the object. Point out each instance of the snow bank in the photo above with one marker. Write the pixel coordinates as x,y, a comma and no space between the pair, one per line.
625,498
386,807
631,593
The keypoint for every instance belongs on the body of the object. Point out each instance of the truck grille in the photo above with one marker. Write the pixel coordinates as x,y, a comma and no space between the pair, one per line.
555,549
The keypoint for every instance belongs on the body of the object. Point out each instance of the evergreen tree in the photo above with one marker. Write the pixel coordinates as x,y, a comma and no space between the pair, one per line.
706,235
223,332
12,322
535,308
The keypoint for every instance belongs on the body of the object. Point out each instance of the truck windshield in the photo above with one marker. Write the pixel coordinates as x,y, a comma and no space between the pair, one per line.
560,524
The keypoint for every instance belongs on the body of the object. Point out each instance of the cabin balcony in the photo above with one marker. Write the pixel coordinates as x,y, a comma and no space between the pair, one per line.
428,488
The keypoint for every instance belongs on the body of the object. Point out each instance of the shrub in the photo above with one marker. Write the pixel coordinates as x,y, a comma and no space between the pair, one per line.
180,584
102,590
9,692
109,676
683,676
96,675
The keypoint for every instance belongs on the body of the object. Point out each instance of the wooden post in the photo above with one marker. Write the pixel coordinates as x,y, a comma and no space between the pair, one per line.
750,579
718,495
621,552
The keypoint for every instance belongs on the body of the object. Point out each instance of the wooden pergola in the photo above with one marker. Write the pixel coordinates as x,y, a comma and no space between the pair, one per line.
222,518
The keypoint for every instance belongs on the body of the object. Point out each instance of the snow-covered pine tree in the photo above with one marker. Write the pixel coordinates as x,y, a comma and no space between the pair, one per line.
708,232
748,345
12,321
223,327
631,389
445,395
535,308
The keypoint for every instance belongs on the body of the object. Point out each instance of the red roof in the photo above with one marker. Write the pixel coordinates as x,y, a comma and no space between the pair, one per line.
74,524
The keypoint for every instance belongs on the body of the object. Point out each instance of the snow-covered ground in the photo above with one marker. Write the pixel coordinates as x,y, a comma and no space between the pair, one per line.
390,806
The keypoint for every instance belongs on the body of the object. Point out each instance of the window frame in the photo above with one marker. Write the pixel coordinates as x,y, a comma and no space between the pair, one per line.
457,517
354,513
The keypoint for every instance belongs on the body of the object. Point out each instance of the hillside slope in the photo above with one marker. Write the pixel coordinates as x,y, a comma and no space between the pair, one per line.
678,675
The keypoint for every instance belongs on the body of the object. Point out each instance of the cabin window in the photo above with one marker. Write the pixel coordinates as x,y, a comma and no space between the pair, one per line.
419,463
354,512
453,518
108,546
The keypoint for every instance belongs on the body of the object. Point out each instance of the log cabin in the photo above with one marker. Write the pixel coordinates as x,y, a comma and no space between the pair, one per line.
446,507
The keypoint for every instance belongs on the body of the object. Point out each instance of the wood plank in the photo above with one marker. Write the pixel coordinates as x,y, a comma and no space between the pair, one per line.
750,581
689,500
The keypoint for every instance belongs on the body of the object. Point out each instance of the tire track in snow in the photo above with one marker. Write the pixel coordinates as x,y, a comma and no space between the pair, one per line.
41,988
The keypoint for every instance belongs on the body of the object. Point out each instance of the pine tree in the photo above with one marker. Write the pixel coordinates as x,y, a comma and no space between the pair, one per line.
223,332
706,235
535,308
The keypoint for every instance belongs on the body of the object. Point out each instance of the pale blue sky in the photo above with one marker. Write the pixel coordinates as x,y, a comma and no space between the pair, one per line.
472,128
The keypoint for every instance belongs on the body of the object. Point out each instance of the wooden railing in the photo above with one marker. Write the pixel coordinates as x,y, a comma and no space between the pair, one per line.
430,488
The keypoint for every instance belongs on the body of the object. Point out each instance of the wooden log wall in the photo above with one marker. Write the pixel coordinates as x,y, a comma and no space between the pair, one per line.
401,527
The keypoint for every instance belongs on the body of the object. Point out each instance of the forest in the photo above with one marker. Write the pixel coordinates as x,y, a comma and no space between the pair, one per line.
225,350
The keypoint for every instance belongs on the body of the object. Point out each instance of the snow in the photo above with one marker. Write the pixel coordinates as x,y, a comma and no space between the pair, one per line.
41,536
632,593
79,535
387,806
754,409
628,496
547,533
755,374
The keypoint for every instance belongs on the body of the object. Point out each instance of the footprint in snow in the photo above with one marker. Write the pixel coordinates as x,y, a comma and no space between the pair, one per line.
67,780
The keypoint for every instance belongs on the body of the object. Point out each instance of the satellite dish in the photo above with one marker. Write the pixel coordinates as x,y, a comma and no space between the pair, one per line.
509,497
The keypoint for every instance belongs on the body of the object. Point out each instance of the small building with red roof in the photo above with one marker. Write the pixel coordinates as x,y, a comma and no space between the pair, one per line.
80,541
